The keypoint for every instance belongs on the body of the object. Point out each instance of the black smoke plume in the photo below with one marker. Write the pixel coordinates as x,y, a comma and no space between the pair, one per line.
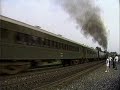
87,16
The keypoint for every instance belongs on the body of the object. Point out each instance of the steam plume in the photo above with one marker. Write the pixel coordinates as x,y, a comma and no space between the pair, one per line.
87,16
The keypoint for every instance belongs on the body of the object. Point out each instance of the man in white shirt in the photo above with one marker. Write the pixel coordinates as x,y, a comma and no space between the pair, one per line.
116,61
107,64
110,60
116,57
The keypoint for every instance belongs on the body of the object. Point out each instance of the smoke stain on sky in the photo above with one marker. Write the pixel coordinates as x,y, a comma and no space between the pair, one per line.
87,17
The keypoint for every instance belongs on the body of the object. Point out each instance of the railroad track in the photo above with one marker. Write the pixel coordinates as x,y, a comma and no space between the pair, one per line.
65,81
39,80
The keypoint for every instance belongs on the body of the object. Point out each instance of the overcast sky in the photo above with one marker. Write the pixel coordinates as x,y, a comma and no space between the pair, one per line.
51,17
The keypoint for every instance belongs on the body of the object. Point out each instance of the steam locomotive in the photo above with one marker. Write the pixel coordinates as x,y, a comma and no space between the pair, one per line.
24,46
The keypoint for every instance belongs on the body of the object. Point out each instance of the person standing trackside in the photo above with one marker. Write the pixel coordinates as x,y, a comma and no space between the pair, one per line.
110,60
116,57
115,62
107,64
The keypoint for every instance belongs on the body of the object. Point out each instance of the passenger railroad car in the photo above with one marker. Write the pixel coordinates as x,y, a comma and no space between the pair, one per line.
24,46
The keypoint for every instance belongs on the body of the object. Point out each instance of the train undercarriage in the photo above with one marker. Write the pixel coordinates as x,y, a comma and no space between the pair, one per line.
14,67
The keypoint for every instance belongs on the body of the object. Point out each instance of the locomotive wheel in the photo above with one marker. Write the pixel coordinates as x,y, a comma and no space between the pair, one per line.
13,68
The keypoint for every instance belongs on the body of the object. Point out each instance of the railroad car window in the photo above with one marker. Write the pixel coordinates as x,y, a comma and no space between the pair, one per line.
55,44
23,38
52,43
39,41
48,42
89,51
44,42
26,39
67,47
72,48
78,49
62,46
34,40
19,37
29,39
4,33
75,48
58,45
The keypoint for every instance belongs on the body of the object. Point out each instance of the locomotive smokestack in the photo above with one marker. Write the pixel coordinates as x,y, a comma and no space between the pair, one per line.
87,16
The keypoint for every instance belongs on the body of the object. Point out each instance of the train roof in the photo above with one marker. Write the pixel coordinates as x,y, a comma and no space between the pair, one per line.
37,28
